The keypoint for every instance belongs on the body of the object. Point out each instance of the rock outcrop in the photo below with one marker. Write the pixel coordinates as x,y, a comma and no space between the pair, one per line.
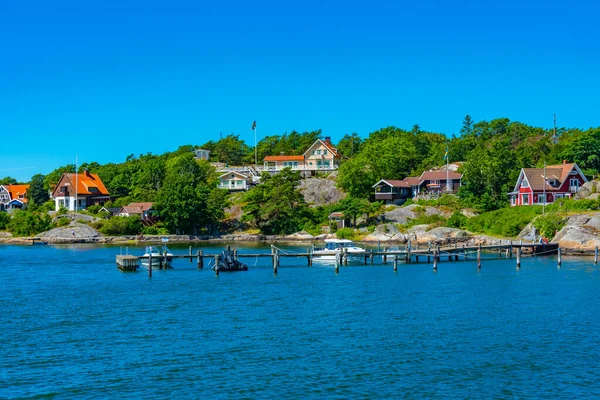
320,191
73,233
580,232
589,190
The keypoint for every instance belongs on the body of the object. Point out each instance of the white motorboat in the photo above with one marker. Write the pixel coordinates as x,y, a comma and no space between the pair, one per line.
334,249
158,257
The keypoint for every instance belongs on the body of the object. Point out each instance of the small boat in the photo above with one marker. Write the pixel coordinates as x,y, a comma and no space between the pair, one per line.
335,247
158,257
227,262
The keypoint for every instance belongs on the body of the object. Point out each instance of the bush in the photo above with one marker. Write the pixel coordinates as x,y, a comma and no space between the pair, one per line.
549,224
4,220
62,222
505,221
121,226
94,209
156,229
345,233
25,223
457,220
566,205
62,210
434,219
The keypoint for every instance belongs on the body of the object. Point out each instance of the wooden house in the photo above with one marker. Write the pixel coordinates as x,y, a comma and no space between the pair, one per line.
546,185
86,189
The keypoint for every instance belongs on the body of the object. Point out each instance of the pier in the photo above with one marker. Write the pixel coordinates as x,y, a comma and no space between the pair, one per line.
429,254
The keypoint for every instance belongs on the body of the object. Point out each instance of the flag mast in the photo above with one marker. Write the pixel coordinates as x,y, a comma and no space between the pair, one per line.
255,148
76,183
447,171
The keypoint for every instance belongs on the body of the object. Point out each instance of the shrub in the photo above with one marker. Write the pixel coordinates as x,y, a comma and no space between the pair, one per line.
426,220
25,223
4,220
62,210
121,226
549,224
62,222
94,209
345,233
505,221
457,220
156,229
566,205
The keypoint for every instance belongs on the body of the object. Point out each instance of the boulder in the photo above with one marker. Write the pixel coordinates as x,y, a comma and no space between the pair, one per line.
302,235
383,232
320,191
399,215
74,232
580,232
436,234
588,190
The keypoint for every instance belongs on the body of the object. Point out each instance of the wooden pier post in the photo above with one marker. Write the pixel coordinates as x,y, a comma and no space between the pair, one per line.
149,264
407,259
217,264
384,255
510,250
479,256
200,259
435,262
559,257
371,256
396,262
596,255
275,262
235,254
337,262
518,257
345,256
191,255
308,257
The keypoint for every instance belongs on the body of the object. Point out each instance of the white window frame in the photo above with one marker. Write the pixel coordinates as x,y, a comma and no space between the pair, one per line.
525,199
524,183
540,197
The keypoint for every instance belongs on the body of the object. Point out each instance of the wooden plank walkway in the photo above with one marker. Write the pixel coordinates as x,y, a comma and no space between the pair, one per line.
431,254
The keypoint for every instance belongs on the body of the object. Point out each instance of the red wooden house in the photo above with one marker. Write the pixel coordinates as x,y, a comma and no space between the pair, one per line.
560,181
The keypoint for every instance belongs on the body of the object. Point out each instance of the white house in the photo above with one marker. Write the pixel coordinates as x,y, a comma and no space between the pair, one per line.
87,189
233,181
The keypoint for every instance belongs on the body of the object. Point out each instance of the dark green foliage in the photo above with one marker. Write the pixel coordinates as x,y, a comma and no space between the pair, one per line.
7,180
121,226
37,193
423,219
350,145
345,233
353,207
24,223
504,222
275,206
549,224
457,220
4,220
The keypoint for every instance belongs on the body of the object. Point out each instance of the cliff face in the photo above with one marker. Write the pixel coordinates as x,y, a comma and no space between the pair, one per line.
580,232
320,191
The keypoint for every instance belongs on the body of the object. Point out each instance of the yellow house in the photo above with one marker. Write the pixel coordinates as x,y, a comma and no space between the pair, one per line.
322,156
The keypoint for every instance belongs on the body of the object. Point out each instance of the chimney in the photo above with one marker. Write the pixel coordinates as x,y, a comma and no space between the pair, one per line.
282,153
87,172
564,161
328,140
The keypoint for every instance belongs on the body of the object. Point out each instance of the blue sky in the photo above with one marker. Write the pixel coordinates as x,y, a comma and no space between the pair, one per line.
105,79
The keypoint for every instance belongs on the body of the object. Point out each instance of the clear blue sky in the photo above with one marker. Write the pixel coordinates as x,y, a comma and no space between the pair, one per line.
104,79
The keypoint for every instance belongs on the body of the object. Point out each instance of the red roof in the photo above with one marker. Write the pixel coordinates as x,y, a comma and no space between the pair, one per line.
136,208
412,180
437,175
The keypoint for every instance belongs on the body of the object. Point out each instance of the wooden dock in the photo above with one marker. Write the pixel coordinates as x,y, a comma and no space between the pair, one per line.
432,254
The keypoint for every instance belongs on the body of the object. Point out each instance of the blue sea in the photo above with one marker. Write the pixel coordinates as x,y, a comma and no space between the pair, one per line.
73,326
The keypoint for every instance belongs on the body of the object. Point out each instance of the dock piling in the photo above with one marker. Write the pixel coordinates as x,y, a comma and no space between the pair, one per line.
479,256
200,259
559,257
395,262
518,257
596,255
191,254
435,261
150,265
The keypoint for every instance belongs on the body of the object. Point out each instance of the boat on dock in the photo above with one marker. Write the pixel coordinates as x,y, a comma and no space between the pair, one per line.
158,257
228,262
335,247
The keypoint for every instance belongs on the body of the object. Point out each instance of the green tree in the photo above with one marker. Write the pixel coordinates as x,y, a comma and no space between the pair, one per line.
36,193
350,145
24,223
8,180
275,206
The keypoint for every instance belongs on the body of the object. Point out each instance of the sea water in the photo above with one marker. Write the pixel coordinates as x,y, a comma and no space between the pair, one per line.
73,326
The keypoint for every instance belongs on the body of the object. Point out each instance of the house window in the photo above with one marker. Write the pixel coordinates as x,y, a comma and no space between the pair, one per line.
573,172
524,183
559,196
553,182
318,152
541,198
525,199
312,152
324,152
513,200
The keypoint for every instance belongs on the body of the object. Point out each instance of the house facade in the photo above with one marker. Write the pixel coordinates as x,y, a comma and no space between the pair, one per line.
79,191
144,210
320,156
546,185
234,181
202,154
392,191
12,197
429,182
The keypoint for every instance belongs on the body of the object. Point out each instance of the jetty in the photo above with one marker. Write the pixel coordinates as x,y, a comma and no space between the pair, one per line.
433,254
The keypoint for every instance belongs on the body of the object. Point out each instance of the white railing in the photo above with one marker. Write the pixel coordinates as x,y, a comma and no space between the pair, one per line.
574,189
277,168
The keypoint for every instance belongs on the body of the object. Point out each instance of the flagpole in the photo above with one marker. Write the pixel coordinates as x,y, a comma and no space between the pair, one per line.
255,149
544,205
76,183
447,171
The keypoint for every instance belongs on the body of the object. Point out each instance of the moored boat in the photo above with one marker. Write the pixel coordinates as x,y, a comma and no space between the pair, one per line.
158,257
335,247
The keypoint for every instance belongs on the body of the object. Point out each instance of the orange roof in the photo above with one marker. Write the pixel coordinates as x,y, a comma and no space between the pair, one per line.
566,169
284,158
14,191
85,183
333,150
412,180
